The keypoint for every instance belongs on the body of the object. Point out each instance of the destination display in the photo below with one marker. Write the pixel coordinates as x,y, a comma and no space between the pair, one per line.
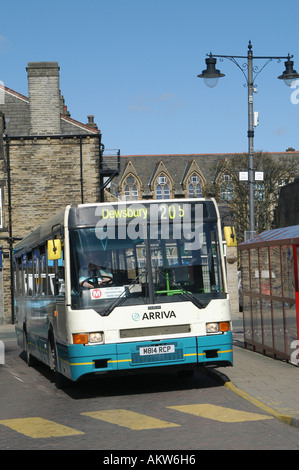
154,212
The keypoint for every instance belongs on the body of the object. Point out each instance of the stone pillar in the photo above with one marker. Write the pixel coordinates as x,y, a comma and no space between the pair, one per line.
44,98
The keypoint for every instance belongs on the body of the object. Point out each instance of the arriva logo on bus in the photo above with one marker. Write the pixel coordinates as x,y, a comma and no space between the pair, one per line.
159,315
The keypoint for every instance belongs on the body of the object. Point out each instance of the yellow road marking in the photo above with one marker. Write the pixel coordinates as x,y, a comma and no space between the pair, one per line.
219,413
39,428
280,416
130,419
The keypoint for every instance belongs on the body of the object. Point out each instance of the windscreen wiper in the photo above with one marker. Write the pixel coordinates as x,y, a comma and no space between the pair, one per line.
188,296
122,297
183,292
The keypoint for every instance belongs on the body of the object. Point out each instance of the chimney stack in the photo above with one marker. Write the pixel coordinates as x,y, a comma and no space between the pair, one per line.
91,122
44,98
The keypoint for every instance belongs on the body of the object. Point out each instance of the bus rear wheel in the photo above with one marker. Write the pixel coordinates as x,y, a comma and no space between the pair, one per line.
28,357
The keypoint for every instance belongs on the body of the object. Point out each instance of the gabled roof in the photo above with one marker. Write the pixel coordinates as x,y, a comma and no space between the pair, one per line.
25,100
14,93
80,124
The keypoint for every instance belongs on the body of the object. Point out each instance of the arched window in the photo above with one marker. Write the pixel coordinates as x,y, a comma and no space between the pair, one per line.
162,187
194,186
130,188
226,188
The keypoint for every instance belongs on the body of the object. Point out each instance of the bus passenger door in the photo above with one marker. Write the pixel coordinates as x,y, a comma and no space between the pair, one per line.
57,288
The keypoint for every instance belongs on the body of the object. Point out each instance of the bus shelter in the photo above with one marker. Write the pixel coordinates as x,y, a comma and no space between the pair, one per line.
270,292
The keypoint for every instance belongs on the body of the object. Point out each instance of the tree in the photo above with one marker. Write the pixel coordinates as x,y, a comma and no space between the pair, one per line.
277,172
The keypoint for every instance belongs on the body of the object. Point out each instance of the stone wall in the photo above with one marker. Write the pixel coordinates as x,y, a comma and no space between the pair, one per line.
45,176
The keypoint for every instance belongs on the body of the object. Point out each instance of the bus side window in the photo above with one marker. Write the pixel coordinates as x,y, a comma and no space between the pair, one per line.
43,270
29,273
36,276
19,277
24,282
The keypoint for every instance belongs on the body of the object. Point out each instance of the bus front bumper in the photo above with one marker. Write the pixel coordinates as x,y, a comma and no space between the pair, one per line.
78,360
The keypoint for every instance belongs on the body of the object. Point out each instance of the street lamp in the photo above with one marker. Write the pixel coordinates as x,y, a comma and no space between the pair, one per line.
289,75
211,76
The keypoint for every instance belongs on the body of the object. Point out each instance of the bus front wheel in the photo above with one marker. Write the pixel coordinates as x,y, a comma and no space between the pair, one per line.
60,380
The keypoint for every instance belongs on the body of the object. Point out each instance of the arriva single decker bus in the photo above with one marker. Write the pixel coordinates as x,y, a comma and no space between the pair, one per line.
124,287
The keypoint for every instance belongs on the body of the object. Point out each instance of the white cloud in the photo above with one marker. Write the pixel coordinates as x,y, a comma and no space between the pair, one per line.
165,97
167,102
280,131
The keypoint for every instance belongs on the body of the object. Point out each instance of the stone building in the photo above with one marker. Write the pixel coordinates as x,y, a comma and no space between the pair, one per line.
186,175
47,160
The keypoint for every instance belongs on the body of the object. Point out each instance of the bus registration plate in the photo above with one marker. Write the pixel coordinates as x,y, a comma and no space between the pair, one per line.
157,349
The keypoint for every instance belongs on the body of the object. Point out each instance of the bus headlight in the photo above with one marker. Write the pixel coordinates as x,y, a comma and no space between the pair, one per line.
97,337
85,338
217,327
212,327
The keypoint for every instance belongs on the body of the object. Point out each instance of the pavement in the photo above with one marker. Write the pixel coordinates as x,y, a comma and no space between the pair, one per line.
270,384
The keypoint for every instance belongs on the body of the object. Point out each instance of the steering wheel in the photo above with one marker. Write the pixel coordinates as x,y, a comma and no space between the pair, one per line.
90,280
107,282
94,283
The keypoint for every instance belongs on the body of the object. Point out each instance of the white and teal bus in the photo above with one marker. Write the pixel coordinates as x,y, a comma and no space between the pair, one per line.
123,287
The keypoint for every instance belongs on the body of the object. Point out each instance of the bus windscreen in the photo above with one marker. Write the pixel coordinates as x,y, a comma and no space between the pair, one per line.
122,270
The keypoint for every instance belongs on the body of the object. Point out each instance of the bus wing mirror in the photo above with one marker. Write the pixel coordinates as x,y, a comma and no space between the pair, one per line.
230,236
54,249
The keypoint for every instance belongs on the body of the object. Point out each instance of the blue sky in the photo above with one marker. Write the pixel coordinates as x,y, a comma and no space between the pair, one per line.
134,65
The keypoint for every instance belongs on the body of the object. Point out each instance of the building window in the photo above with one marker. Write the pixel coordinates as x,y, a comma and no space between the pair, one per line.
226,188
194,186
162,188
130,189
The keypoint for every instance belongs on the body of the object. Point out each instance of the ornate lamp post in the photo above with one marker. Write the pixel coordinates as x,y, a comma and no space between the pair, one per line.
211,76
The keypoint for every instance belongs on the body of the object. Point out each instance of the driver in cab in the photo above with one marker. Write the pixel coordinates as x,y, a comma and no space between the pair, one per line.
95,276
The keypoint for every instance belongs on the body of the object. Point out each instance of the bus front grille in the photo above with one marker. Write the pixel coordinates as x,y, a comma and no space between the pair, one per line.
155,330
